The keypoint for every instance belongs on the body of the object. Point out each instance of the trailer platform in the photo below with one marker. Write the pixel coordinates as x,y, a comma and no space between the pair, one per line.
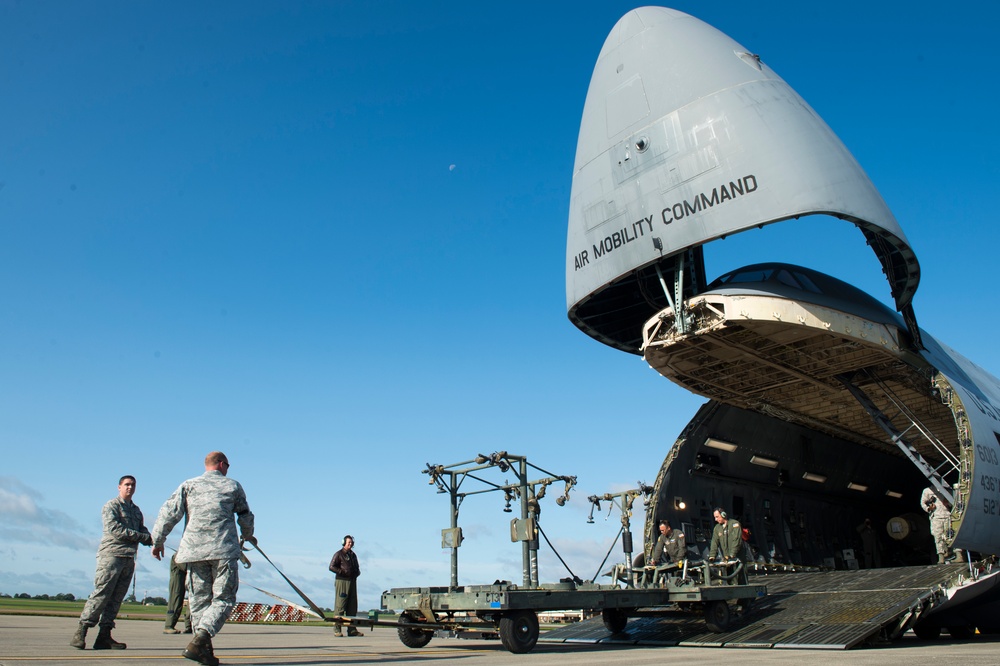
510,611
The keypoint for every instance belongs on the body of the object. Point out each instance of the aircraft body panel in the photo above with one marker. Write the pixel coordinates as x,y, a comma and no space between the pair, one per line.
976,514
687,137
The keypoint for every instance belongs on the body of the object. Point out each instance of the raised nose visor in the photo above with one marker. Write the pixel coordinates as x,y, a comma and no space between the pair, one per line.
687,137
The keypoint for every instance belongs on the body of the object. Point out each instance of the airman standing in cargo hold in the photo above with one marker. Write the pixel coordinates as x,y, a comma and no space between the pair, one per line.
869,544
209,547
670,546
727,541
940,515
123,532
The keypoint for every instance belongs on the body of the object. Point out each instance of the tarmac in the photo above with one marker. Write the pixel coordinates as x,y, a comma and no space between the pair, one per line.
45,640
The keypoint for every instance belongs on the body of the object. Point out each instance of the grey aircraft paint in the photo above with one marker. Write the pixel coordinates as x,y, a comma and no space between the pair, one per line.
687,137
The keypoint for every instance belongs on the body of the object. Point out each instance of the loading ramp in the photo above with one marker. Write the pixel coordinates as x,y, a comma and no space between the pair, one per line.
834,610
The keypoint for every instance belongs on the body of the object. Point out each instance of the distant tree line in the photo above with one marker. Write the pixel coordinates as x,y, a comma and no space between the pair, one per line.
155,601
43,597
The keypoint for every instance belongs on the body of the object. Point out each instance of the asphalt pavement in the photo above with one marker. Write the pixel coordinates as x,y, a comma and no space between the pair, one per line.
45,640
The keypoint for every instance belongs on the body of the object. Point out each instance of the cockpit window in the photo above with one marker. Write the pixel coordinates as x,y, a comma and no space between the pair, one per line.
757,275
807,283
790,278
784,277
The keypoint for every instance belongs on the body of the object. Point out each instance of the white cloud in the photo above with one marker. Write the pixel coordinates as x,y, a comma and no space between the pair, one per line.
24,519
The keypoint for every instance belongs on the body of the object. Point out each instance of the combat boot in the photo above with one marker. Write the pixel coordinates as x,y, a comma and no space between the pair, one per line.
200,649
105,642
351,631
79,638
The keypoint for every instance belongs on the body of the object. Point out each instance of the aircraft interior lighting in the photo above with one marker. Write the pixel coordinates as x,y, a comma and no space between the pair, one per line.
713,443
764,462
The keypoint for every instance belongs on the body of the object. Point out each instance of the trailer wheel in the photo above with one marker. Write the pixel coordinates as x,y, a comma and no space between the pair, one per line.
410,637
717,616
615,619
519,631
962,632
927,632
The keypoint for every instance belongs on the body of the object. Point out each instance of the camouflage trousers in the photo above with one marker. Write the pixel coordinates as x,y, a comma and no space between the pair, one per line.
114,575
939,527
212,585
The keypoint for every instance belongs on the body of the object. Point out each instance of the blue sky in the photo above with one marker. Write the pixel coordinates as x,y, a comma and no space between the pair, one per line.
329,240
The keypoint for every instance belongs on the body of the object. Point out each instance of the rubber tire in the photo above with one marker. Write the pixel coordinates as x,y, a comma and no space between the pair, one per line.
927,632
412,638
962,632
519,631
717,616
615,619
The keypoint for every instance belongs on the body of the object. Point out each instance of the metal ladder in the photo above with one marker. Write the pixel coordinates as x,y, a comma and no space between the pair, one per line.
935,475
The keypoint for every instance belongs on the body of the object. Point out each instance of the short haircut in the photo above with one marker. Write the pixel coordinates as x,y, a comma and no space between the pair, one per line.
127,476
215,457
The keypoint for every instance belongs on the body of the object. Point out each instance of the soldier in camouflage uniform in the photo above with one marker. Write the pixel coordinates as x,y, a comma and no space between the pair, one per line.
210,547
940,516
670,546
123,532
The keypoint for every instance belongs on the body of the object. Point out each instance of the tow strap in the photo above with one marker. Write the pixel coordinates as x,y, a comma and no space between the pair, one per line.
299,607
309,602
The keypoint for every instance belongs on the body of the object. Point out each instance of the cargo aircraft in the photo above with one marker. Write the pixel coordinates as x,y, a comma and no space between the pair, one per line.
825,407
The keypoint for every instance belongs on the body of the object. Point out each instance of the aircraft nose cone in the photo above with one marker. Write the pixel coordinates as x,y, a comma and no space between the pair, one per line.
688,137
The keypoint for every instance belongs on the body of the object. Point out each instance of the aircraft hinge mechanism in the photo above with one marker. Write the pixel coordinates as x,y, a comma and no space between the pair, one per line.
689,263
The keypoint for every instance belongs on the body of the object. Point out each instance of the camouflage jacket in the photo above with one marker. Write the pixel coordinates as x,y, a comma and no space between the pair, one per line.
934,505
123,529
208,503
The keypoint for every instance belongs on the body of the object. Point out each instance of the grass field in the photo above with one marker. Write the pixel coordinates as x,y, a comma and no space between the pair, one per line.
129,611
73,609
